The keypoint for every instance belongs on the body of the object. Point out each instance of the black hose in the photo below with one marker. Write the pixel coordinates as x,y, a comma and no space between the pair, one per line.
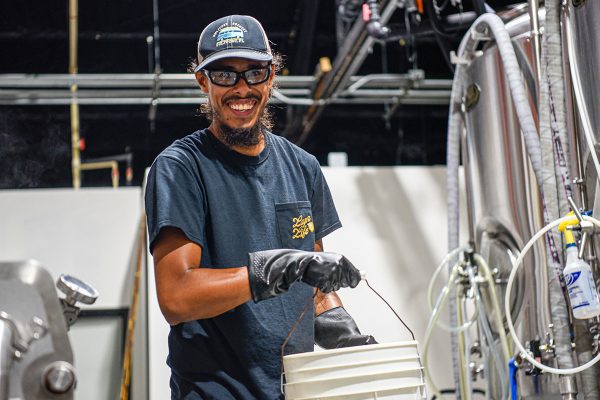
440,36
479,7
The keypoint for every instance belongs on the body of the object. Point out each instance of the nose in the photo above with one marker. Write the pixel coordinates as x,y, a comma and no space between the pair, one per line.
242,87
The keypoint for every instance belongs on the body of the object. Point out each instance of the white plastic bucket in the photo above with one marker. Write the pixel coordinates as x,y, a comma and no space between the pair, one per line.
379,371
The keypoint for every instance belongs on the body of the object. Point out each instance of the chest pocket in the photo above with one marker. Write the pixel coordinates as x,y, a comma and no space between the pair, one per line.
295,225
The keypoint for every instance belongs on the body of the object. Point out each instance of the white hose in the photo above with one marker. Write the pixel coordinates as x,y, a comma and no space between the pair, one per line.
501,365
506,351
511,278
441,301
454,329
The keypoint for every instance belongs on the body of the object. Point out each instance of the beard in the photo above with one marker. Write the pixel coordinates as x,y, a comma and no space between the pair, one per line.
240,136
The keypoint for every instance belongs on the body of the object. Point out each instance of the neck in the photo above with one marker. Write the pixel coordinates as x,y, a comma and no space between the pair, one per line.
252,150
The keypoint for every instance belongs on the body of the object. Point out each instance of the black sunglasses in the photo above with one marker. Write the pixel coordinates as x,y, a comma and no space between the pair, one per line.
253,76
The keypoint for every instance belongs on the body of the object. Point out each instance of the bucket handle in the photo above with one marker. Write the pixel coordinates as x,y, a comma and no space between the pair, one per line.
306,307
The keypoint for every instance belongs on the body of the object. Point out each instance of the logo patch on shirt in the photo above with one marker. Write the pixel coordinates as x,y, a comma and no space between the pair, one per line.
302,226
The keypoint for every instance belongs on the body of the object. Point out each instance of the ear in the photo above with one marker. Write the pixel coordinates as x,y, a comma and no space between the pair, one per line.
272,76
202,81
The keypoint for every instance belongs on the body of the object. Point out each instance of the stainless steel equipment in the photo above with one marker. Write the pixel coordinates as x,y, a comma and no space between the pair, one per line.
582,27
36,360
503,199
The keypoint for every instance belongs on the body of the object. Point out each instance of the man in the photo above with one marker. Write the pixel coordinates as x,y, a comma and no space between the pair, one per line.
235,218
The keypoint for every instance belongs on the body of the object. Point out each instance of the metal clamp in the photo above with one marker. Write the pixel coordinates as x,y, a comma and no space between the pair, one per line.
586,226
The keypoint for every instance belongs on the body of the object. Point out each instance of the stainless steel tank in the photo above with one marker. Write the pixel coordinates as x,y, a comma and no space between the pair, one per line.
503,200
581,22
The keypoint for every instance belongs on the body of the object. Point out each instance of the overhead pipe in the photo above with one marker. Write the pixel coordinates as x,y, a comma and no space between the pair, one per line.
350,57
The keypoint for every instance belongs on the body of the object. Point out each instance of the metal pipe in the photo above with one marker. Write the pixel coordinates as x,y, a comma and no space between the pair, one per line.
75,156
6,354
534,21
375,27
113,165
112,82
156,41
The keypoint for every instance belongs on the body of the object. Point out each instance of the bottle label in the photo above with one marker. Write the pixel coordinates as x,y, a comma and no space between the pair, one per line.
571,278
582,292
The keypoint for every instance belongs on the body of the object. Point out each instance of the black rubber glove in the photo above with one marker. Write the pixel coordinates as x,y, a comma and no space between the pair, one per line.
272,272
335,328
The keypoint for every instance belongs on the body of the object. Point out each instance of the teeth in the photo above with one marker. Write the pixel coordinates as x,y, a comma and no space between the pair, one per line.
241,107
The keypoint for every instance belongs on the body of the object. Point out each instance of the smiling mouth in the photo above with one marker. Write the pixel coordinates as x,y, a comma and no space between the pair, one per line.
242,106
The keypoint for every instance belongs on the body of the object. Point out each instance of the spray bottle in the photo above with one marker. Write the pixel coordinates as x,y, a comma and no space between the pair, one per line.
579,278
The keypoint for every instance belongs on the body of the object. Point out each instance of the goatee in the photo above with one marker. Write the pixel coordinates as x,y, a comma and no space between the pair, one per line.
242,136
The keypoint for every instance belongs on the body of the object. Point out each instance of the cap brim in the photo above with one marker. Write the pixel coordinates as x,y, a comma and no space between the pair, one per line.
234,53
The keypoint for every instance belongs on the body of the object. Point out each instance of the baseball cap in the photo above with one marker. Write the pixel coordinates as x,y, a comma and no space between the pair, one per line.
234,36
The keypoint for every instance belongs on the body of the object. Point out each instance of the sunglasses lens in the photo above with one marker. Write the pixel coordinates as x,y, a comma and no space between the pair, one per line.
258,75
223,78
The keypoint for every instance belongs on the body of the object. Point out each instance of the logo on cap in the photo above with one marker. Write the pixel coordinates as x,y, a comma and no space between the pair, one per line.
229,35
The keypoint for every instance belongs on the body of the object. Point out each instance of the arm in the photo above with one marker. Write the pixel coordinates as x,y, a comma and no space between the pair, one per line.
187,292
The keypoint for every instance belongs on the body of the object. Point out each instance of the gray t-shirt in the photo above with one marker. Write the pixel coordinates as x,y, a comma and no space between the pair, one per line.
232,204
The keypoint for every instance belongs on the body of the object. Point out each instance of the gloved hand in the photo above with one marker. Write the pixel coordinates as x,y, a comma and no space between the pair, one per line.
335,328
272,272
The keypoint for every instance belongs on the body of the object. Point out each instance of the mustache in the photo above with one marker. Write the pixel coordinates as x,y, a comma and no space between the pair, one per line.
236,97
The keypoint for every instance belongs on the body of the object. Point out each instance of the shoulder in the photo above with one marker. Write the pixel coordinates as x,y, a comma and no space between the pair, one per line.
182,152
289,148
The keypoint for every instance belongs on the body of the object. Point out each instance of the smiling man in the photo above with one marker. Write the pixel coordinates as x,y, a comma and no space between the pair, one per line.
236,217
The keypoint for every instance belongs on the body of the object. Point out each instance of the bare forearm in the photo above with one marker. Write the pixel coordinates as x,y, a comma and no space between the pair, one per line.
202,293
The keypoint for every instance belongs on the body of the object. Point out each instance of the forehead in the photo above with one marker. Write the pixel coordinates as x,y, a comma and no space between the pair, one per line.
236,64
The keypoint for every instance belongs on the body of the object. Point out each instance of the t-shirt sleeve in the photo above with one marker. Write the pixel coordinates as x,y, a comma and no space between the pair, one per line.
325,216
174,198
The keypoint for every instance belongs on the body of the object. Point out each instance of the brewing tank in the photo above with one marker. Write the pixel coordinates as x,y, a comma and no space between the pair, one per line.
581,21
503,201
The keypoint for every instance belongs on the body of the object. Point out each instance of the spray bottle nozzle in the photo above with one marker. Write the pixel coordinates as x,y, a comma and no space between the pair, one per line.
566,227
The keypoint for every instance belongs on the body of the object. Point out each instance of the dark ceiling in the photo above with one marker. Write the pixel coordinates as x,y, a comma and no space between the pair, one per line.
35,140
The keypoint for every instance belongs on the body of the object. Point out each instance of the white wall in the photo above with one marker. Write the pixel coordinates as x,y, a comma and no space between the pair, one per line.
394,228
90,234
